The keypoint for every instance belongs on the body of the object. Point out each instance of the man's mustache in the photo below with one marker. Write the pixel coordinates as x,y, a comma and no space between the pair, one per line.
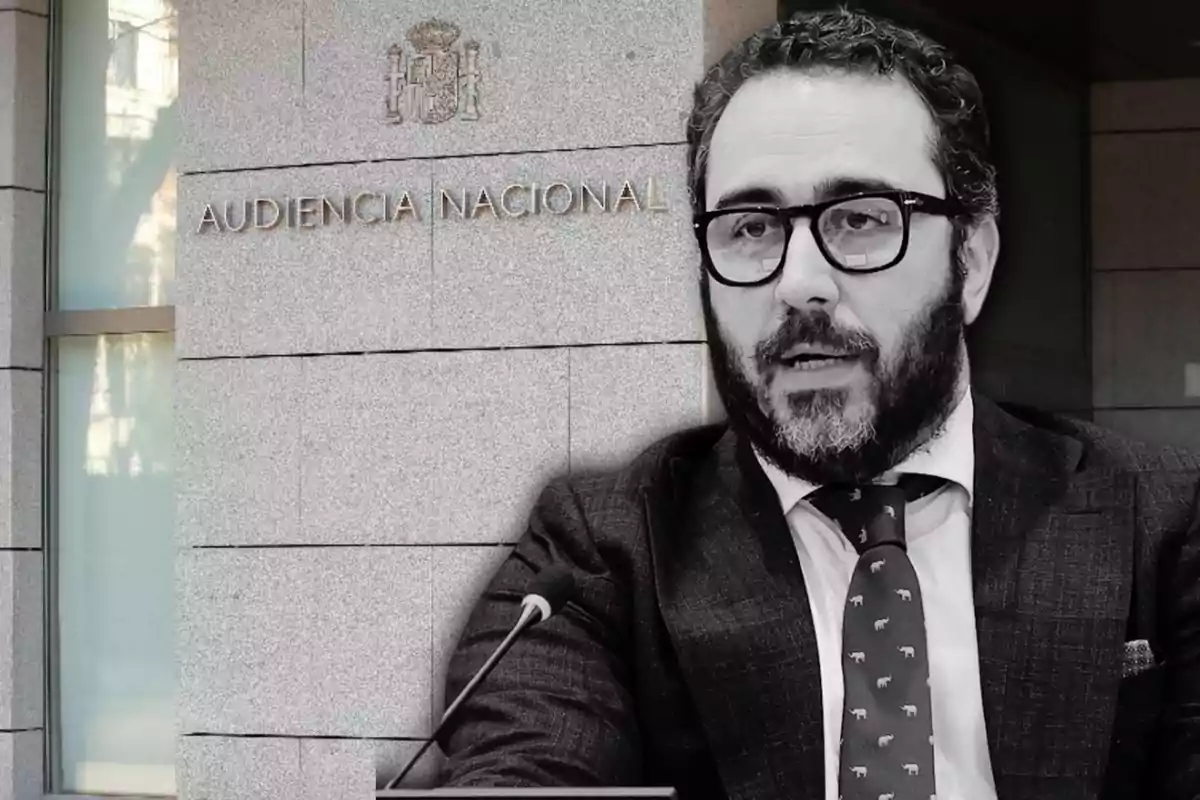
811,328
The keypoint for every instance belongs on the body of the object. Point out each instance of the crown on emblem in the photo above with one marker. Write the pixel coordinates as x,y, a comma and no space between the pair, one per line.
433,34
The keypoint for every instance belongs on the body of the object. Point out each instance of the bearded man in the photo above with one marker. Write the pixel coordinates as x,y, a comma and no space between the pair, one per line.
870,581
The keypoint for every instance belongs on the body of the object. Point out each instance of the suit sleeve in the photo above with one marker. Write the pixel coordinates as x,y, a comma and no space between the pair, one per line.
1178,756
557,709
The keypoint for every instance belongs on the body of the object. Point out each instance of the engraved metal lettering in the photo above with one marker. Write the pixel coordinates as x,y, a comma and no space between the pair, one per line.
330,209
654,198
404,205
504,201
483,201
516,200
460,207
246,216
305,212
550,206
358,215
261,224
627,195
209,218
586,191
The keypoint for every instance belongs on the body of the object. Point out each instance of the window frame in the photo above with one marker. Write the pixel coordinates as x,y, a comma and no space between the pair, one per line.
59,323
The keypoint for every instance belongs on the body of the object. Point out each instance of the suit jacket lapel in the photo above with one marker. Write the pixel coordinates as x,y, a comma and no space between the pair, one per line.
733,598
1051,561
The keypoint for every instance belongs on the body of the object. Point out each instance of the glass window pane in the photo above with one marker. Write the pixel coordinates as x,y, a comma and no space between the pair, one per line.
115,556
119,127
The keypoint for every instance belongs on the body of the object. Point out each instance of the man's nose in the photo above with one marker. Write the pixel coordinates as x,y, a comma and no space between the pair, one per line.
808,277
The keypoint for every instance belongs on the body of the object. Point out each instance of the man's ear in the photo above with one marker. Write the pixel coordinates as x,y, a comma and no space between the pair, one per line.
979,253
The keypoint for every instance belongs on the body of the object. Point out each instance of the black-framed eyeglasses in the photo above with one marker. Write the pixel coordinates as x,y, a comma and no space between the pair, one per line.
860,233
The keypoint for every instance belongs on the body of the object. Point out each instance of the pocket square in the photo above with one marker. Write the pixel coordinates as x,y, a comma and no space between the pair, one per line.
1138,658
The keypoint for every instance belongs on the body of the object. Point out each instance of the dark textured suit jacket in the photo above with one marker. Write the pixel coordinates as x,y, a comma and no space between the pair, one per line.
688,656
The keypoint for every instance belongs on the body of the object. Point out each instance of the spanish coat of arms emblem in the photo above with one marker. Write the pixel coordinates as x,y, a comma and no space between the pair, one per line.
438,80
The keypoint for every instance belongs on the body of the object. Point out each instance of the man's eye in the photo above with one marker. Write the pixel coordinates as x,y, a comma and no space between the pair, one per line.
752,229
753,226
859,220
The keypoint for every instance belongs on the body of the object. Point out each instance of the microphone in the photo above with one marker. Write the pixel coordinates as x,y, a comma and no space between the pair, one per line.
548,593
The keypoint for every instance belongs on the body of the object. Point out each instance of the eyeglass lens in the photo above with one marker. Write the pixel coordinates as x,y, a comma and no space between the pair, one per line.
859,234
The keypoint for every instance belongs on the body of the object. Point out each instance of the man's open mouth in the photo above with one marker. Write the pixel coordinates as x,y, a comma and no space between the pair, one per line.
817,359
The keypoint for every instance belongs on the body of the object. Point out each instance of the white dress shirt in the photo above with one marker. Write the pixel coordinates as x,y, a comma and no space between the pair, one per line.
938,531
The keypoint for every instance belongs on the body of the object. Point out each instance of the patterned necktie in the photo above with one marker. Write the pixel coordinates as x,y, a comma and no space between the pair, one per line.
887,730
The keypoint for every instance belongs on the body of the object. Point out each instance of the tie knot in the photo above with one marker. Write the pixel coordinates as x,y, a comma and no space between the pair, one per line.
873,514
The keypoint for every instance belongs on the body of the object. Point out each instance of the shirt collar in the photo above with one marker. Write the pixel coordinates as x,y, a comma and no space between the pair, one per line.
950,454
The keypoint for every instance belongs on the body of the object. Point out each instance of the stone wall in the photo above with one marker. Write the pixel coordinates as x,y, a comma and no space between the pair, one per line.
23,51
366,408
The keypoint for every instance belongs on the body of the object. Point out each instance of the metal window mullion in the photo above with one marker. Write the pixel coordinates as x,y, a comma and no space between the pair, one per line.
114,321
51,714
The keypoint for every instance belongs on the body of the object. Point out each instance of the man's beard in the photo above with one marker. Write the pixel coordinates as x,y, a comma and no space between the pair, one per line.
908,400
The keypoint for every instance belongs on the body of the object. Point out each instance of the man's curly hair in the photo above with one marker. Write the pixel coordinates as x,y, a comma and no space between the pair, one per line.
855,41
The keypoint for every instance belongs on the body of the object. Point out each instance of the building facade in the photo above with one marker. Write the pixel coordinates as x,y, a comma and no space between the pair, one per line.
301,303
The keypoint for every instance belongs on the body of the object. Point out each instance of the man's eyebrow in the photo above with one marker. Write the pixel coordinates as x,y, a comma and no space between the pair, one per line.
828,189
750,196
841,187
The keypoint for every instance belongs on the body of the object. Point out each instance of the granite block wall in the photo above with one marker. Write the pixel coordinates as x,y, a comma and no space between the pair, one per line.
392,333
23,53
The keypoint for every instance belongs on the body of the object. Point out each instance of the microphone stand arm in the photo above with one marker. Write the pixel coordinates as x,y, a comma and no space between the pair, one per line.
527,617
